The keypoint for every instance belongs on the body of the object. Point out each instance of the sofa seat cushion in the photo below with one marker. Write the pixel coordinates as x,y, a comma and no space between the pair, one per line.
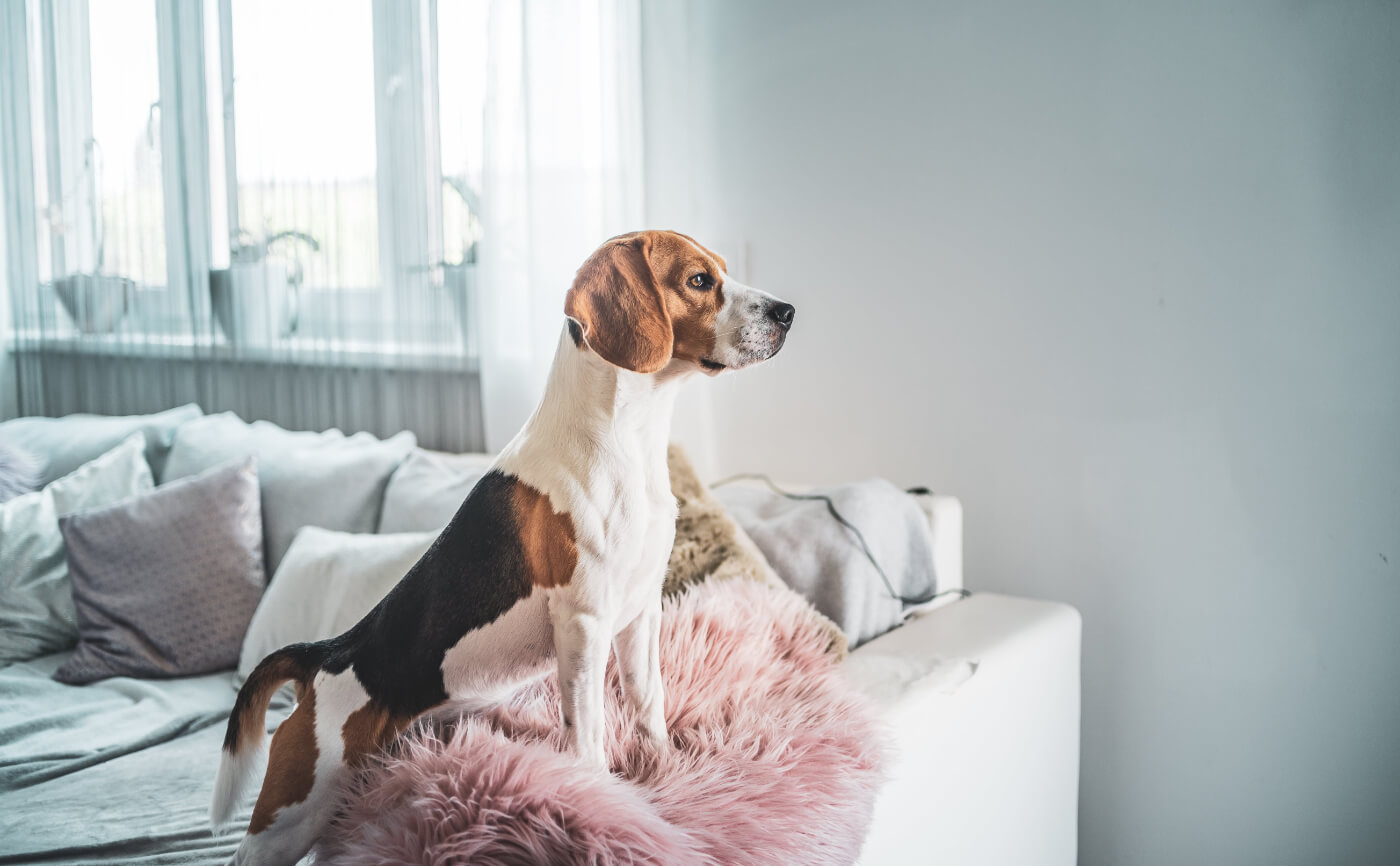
119,771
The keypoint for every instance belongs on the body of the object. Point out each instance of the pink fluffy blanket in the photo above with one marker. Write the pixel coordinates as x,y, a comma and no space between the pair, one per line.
772,760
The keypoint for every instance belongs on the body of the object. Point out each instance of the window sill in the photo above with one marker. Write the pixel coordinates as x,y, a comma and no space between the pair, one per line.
292,351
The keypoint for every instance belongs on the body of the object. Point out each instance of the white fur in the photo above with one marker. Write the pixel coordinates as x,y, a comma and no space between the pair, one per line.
597,447
237,773
295,828
744,334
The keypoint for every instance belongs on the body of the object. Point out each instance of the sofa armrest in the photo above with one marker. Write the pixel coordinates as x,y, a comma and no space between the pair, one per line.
982,699
945,520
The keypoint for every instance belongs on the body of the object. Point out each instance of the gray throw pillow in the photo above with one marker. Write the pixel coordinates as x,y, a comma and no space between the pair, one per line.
165,584
36,602
428,488
322,479
823,560
64,444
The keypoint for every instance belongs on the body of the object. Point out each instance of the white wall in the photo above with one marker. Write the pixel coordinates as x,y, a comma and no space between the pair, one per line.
1125,277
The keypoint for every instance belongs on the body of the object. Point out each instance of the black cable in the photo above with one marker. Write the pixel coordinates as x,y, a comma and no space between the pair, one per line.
865,548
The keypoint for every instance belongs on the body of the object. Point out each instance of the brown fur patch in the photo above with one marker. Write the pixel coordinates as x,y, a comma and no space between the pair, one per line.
618,302
246,723
635,305
675,258
551,552
693,319
291,763
706,250
369,729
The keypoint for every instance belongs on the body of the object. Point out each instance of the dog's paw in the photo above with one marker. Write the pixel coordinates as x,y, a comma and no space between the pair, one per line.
654,731
592,755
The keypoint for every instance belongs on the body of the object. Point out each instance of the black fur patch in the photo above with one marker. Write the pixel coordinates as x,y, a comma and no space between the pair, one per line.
473,573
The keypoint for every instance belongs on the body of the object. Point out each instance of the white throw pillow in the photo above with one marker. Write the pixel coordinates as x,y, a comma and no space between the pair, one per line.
324,479
327,582
36,597
428,488
66,443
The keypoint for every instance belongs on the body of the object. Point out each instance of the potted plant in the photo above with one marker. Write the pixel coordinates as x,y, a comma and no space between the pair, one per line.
95,301
255,299
459,277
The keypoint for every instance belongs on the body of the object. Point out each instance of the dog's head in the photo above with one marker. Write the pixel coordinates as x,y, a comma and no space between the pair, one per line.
648,299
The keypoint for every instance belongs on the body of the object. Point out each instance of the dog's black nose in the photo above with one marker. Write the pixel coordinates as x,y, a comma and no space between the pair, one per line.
782,314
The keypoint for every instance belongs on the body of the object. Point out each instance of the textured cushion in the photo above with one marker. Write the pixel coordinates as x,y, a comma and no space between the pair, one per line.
823,560
772,760
428,488
165,583
709,545
36,603
327,582
323,479
64,444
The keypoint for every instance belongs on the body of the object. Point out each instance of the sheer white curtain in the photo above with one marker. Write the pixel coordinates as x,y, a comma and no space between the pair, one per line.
562,172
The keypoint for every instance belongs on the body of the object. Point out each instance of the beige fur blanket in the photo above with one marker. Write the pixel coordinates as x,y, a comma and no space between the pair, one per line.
711,546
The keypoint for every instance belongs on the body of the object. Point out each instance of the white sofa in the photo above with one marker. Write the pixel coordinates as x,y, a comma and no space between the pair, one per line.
982,697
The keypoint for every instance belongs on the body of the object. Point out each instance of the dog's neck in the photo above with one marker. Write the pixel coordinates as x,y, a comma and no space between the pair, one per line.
591,408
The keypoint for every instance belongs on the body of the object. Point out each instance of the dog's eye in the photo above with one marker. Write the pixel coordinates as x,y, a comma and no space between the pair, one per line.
699,281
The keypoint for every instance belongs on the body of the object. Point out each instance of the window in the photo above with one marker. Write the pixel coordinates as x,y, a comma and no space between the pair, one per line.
304,146
189,156
117,170
92,98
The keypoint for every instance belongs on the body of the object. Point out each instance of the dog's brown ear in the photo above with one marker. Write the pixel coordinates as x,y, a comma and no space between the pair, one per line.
617,300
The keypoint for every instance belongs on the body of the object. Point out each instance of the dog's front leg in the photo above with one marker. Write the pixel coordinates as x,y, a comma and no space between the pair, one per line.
638,648
581,642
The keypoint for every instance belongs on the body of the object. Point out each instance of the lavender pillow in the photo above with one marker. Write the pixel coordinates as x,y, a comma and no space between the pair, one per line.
164,584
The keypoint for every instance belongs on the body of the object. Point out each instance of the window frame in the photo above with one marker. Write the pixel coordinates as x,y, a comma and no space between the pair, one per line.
20,205
407,136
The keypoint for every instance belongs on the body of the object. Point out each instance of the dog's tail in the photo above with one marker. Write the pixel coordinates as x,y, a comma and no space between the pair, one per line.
245,739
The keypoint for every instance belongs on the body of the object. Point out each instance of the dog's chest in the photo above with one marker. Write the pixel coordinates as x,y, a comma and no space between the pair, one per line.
639,520
636,526
623,513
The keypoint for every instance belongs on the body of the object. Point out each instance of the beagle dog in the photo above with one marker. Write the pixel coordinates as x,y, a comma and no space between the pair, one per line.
555,559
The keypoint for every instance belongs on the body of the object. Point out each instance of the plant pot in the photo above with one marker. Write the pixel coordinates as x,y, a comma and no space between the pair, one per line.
459,281
254,303
97,302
